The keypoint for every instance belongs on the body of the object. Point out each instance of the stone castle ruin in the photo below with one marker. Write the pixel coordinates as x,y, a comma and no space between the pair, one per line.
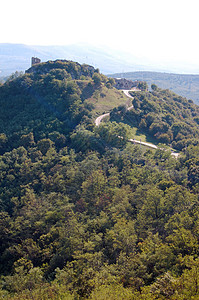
35,61
125,84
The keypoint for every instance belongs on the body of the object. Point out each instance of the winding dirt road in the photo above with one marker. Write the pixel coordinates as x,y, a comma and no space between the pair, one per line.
101,117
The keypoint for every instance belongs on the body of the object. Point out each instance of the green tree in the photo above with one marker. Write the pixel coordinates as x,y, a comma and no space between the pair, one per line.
44,145
97,78
154,87
142,86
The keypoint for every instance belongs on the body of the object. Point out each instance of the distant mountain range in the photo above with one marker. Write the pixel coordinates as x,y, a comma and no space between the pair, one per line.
183,84
17,57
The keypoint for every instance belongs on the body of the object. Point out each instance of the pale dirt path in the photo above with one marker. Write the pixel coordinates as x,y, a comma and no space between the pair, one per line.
126,92
101,117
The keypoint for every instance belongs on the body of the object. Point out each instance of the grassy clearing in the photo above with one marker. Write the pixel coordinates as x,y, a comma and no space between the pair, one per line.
137,135
105,99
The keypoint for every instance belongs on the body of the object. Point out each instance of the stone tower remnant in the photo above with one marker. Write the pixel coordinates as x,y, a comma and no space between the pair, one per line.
35,61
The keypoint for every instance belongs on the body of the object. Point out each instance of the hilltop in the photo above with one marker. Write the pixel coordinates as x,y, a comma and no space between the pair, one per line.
53,98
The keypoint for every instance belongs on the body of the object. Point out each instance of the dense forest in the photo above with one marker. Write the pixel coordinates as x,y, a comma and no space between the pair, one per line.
84,213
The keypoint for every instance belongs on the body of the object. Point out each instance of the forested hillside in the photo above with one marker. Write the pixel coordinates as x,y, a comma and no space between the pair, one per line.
165,116
84,213
50,100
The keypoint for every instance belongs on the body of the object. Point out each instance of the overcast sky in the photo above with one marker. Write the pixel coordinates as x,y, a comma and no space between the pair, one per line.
160,30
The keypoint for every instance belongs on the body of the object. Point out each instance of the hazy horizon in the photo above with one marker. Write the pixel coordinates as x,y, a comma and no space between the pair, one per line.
153,31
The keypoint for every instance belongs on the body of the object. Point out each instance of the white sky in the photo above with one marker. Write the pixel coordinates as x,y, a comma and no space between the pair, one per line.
161,30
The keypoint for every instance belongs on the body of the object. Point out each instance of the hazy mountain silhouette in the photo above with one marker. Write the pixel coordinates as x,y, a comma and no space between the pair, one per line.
17,57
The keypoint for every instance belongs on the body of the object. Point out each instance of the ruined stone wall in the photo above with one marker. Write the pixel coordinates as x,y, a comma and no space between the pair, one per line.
35,61
125,84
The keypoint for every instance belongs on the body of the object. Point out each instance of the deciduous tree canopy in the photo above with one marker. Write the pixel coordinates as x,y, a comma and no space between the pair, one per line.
83,213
